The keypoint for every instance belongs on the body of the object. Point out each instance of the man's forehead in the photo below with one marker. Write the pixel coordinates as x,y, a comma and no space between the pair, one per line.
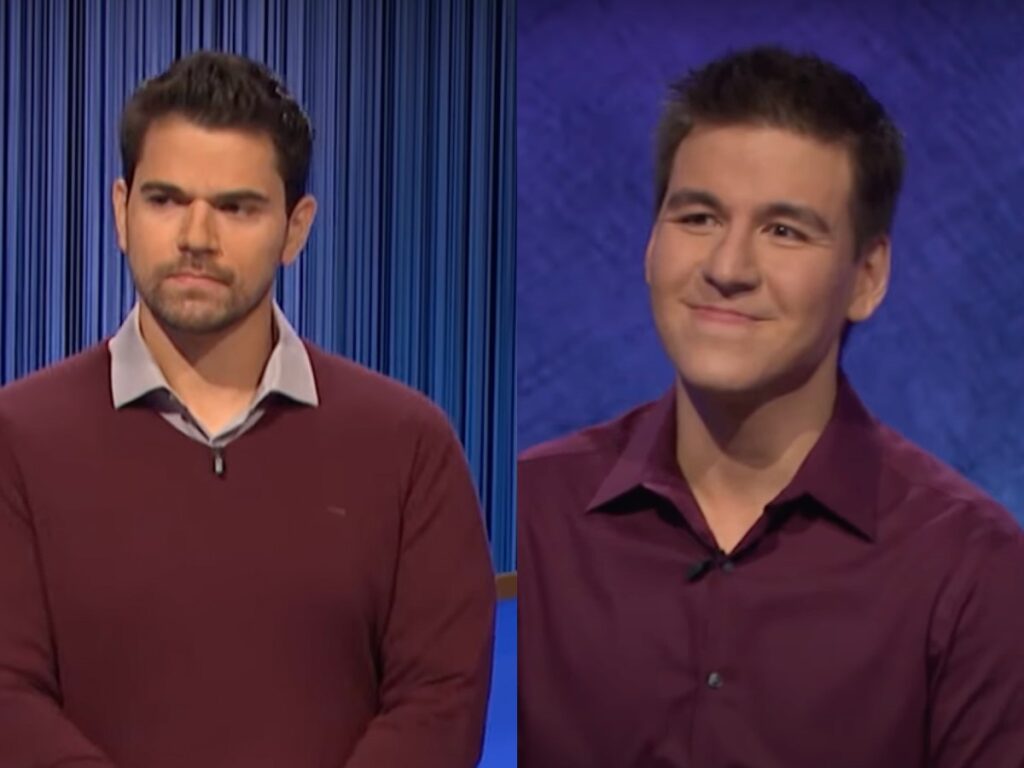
754,162
205,160
178,134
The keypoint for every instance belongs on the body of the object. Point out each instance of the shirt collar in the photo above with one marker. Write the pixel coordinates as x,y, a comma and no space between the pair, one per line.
134,373
841,472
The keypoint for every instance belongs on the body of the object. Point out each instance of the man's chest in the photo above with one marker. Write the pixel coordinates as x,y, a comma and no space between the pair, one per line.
280,549
782,657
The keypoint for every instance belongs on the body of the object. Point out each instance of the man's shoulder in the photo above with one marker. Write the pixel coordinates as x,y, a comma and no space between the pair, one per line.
941,496
603,440
355,391
563,475
61,389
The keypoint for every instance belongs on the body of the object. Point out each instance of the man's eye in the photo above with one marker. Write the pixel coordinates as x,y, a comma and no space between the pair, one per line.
697,219
237,209
158,200
787,232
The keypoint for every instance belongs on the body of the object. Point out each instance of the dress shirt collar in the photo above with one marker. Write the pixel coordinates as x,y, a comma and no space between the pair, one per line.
134,373
841,472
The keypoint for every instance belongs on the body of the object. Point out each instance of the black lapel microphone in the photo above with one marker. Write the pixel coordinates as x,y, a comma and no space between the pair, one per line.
701,567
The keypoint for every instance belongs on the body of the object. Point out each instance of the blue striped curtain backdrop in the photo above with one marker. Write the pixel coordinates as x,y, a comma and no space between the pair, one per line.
410,268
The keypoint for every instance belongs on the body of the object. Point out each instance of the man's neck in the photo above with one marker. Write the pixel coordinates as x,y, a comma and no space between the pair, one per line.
737,454
217,374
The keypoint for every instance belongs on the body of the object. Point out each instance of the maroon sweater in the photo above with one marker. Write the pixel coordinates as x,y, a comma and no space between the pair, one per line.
328,601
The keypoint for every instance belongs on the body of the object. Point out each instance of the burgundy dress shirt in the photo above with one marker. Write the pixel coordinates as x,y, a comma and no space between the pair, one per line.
873,617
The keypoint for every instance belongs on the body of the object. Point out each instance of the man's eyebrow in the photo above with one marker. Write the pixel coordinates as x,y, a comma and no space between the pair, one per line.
802,213
230,196
239,196
162,187
780,208
689,196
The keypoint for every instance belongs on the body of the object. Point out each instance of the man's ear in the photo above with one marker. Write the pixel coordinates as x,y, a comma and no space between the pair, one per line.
119,199
872,280
299,224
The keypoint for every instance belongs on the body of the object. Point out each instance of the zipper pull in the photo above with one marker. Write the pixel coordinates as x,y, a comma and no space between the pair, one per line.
218,462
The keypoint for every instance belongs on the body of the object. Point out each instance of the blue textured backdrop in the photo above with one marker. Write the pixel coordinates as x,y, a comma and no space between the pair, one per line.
942,361
410,267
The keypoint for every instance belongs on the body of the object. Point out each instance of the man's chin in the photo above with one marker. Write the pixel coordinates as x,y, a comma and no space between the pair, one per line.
731,380
747,380
193,319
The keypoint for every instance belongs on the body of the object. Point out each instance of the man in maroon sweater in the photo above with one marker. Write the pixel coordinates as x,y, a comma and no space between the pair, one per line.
752,571
219,545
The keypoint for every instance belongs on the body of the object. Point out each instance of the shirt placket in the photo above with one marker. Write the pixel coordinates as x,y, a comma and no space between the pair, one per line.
710,582
714,665
706,585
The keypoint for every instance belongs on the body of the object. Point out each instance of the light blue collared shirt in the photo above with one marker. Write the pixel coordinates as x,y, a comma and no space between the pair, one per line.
134,375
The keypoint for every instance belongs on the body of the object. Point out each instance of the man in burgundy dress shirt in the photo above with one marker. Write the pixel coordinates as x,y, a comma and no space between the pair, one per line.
752,571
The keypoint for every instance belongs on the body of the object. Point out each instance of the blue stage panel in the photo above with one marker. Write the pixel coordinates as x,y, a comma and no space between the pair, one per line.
500,741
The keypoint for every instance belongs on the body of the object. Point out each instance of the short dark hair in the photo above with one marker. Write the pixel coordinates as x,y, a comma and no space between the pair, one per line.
222,90
768,85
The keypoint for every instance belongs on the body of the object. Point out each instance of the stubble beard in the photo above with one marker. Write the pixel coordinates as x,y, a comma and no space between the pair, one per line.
201,311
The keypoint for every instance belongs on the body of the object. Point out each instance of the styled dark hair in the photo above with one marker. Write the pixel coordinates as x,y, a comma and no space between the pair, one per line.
803,93
221,90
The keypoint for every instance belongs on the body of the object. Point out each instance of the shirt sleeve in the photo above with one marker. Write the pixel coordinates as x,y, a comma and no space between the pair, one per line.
33,728
438,639
977,684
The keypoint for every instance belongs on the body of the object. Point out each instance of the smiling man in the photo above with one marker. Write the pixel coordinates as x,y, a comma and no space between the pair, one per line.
753,571
220,545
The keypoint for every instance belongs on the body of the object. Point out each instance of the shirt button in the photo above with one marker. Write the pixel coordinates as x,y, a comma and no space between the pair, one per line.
728,566
715,680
